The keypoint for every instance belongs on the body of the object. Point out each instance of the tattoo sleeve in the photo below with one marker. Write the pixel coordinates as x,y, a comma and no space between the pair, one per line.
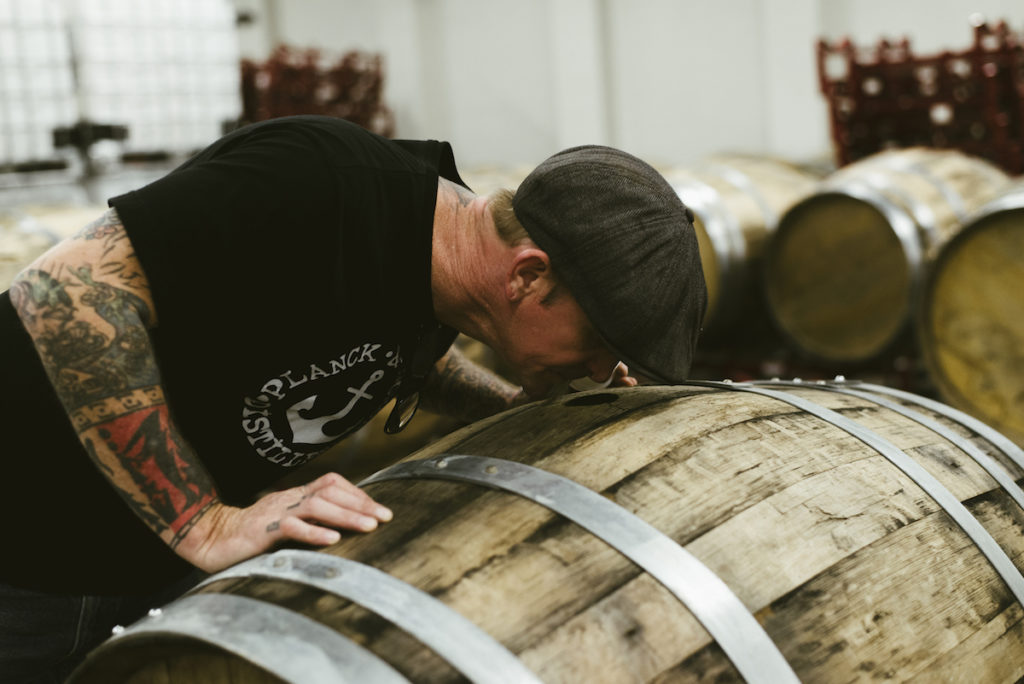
460,388
87,306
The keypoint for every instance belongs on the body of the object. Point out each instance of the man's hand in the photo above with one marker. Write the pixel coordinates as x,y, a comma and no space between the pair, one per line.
226,535
621,376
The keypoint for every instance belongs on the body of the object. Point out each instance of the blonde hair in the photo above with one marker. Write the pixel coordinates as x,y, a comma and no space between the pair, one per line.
510,230
512,233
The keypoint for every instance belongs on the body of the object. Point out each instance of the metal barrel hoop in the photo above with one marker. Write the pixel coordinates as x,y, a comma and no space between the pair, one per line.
709,599
469,649
288,645
935,489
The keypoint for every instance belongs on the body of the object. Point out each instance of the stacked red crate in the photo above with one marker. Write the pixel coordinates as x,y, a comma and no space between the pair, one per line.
886,96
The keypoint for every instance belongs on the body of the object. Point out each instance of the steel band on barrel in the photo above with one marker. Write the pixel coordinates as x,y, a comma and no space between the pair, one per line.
990,465
290,646
993,436
942,496
744,184
707,597
721,227
461,643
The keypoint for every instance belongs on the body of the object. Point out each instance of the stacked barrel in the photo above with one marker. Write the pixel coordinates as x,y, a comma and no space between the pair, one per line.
970,320
909,253
737,201
844,271
880,259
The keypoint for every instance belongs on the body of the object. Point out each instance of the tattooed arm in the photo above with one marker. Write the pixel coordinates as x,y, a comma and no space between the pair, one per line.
87,306
462,389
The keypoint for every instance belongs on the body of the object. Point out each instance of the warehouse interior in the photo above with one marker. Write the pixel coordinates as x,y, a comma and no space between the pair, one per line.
848,451
746,106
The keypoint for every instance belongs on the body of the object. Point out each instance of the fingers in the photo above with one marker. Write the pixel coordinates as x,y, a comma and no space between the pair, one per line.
621,376
343,493
299,530
313,513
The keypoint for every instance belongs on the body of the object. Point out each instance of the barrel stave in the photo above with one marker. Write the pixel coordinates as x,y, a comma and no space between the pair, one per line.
628,635
175,660
1015,470
889,609
955,469
707,665
994,649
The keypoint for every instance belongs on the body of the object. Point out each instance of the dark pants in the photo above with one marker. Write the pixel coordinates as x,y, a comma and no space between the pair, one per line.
43,637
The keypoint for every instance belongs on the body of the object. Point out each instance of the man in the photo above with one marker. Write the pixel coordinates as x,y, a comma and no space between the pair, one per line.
234,319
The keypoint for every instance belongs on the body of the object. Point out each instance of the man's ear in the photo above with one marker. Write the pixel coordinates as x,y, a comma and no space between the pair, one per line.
529,274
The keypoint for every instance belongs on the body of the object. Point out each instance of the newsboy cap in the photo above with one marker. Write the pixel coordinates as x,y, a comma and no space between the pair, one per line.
623,243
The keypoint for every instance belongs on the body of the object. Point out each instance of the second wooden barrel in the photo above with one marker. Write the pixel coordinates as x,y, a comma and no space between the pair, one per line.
844,266
971,319
708,532
737,201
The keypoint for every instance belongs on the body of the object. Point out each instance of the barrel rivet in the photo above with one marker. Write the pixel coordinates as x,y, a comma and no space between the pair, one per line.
118,629
776,379
819,382
330,573
491,469
797,380
441,463
155,612
279,562
840,378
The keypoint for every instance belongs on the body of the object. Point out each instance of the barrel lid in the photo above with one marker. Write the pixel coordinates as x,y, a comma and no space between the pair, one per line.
839,278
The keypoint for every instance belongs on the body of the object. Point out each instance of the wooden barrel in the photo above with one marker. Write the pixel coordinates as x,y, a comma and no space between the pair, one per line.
707,532
971,320
844,266
737,201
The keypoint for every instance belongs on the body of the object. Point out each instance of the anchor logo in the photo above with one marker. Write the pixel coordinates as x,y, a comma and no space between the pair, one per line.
311,430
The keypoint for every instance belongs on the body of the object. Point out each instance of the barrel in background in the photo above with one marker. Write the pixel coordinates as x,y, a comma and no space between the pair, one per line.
844,267
737,201
971,320
848,559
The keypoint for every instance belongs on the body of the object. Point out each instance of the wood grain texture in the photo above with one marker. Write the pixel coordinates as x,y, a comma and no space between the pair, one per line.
853,571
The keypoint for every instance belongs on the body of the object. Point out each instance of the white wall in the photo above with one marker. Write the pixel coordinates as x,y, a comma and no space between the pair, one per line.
509,82
931,25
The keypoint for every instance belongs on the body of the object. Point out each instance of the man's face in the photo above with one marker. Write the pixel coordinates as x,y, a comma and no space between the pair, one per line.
553,343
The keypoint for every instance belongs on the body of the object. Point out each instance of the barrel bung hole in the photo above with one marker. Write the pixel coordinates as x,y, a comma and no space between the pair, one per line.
592,399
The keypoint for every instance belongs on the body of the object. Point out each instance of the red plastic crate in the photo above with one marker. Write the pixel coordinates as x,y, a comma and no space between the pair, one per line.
885,96
306,81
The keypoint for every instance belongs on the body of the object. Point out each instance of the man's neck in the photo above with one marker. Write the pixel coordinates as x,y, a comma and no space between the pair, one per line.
462,261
